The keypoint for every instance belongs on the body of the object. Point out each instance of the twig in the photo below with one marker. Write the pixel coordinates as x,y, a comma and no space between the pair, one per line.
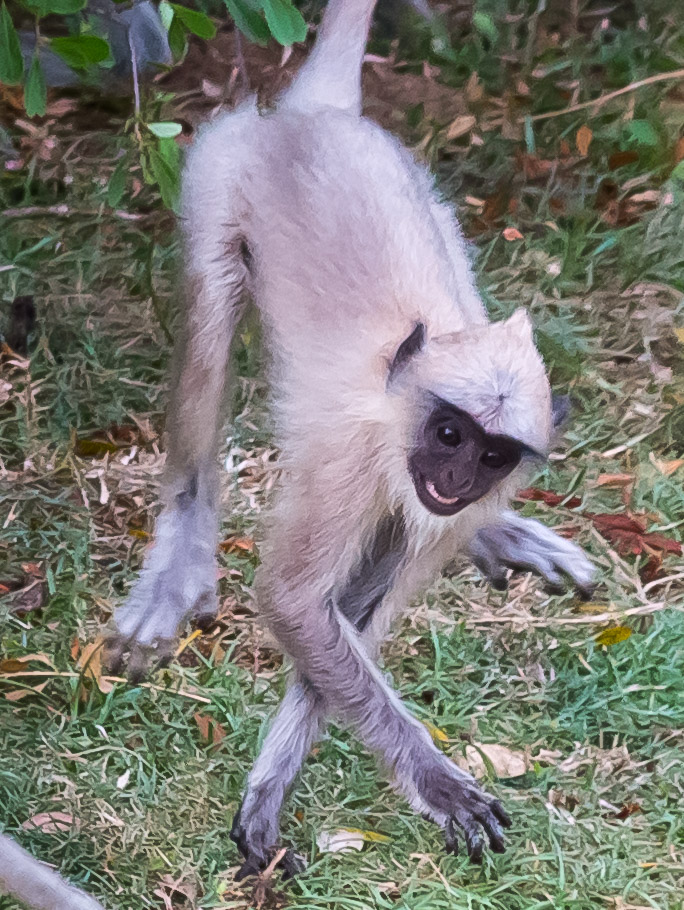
602,99
589,619
47,674
64,211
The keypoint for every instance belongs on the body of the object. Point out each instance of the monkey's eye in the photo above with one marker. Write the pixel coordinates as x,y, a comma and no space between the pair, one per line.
495,459
448,436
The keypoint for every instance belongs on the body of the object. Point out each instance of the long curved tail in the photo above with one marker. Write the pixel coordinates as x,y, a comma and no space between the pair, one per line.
331,76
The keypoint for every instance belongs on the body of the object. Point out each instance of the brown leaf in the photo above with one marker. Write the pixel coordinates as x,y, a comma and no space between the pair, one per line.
460,126
627,810
90,662
218,733
50,822
628,534
28,599
511,233
583,140
34,569
237,545
505,762
667,468
203,722
614,480
550,499
620,159
652,569
18,694
17,664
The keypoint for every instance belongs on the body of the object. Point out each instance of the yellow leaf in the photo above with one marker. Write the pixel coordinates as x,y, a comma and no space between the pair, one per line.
438,736
16,664
613,636
583,140
186,641
680,335
373,837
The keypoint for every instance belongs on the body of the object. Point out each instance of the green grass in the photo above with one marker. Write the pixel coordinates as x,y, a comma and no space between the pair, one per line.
151,800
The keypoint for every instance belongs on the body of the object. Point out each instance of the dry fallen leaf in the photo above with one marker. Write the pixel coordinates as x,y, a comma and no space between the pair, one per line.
17,664
460,126
50,822
583,140
18,694
237,545
345,840
614,480
510,233
90,662
504,762
667,468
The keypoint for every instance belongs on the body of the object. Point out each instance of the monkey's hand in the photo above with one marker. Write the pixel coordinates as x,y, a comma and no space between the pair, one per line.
528,545
462,808
177,582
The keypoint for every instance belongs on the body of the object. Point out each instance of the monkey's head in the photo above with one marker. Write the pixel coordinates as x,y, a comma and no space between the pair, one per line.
481,408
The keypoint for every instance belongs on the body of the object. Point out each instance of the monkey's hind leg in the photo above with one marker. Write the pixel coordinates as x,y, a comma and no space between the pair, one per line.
256,827
178,579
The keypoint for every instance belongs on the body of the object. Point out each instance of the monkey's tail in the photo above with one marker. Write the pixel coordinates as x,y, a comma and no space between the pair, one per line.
331,76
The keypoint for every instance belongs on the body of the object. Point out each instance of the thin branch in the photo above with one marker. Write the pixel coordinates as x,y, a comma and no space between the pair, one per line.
602,99
64,211
47,674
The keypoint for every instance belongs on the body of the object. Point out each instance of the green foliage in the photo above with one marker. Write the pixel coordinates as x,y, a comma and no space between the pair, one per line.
194,21
11,61
35,91
80,51
285,22
249,21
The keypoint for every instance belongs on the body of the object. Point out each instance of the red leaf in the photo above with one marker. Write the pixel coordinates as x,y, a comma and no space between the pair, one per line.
628,534
550,499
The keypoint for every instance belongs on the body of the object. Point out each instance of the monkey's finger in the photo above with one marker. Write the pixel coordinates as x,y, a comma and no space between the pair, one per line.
291,865
493,830
450,837
501,815
248,868
471,832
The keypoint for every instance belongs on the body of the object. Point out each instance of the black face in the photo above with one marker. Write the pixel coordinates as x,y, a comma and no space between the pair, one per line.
455,462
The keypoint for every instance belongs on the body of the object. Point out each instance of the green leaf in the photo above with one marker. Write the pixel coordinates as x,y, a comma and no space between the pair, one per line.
642,133
678,172
80,51
166,129
248,20
285,22
11,61
484,24
62,7
171,153
117,183
166,179
35,93
165,14
177,39
194,21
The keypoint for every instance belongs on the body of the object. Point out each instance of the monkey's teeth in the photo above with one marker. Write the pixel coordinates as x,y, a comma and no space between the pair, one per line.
432,490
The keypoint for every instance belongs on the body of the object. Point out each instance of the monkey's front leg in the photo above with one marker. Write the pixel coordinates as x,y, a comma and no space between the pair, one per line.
178,579
528,545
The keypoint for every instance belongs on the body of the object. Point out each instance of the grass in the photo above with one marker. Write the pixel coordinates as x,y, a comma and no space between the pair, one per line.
598,813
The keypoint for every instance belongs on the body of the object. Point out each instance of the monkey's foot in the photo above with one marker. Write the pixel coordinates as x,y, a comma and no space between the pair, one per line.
257,856
146,626
465,810
524,544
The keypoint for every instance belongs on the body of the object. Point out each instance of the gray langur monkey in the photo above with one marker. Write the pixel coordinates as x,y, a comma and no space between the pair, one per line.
36,885
405,422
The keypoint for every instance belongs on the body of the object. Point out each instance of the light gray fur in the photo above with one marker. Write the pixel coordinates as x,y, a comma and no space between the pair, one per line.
351,249
35,885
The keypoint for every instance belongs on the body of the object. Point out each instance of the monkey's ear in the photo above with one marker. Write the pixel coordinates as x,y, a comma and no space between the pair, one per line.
406,350
561,406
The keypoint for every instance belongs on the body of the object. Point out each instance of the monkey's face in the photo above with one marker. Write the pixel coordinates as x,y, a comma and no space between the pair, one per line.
456,462
483,407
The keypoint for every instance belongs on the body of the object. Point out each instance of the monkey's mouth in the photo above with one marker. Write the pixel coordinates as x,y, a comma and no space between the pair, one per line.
433,500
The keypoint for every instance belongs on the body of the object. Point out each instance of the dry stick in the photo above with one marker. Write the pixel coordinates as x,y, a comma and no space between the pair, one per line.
589,619
64,211
602,99
47,674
